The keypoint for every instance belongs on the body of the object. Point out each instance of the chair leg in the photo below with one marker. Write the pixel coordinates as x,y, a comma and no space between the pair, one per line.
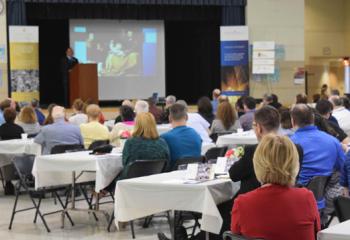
40,215
147,221
64,206
36,212
110,222
89,201
132,229
14,208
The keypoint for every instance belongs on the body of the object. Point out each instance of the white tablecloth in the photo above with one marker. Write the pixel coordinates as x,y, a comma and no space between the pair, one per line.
141,197
56,169
162,128
9,148
206,147
244,138
340,231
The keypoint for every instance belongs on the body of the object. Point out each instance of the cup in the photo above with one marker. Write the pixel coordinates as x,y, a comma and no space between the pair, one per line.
24,136
239,130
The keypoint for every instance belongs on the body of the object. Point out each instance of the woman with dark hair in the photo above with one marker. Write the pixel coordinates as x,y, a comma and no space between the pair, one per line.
127,124
205,109
286,123
301,98
10,130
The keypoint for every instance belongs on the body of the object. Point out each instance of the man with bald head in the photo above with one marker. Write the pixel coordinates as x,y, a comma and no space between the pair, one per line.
322,152
59,133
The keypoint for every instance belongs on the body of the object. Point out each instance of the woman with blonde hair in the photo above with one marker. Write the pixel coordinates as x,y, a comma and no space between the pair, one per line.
78,117
28,121
277,210
226,119
145,143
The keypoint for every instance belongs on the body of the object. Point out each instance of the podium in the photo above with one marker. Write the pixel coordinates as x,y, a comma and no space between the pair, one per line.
83,83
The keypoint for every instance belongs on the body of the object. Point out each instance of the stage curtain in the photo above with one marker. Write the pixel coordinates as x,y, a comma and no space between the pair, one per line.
16,12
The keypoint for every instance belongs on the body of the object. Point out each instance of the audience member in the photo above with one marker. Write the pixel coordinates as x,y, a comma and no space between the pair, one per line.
275,102
341,114
276,210
3,105
316,97
205,109
226,119
141,106
324,92
286,123
346,102
39,115
93,130
156,112
198,123
127,124
78,117
10,130
247,118
335,92
301,98
49,119
145,143
215,102
169,101
126,102
101,118
28,121
322,152
345,176
239,106
183,141
59,132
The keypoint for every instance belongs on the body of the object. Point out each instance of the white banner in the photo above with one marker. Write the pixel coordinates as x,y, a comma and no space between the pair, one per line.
264,57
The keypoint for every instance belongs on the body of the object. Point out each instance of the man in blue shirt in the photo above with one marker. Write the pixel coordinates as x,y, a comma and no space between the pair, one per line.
322,152
39,115
58,133
183,141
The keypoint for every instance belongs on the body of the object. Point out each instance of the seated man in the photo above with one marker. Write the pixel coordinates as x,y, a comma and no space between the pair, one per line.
322,152
183,141
93,130
246,120
58,133
341,114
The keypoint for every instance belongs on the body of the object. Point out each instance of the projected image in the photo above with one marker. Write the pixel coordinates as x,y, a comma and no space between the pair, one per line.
127,54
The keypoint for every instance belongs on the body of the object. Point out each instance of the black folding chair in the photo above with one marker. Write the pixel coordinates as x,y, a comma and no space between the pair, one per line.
214,153
63,148
98,143
23,165
317,185
187,160
231,236
140,168
342,208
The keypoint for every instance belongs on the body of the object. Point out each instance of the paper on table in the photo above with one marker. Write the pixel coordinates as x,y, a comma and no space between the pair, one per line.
192,171
221,165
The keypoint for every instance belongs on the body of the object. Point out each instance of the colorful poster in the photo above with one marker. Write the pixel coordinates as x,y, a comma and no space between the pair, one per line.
24,62
234,60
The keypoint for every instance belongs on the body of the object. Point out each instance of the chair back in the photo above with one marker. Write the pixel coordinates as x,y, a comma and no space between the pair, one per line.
24,165
66,148
186,161
342,208
232,236
142,168
317,185
98,143
33,135
215,152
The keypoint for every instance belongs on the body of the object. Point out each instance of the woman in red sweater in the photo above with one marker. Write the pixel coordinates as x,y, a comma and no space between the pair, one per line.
276,210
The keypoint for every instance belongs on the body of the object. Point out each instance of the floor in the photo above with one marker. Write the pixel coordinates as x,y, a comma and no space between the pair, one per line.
85,225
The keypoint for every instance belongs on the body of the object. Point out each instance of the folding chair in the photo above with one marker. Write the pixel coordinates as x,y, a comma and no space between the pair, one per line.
140,168
214,153
23,165
185,161
98,143
342,208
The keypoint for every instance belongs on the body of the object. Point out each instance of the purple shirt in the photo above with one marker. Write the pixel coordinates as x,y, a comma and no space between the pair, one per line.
247,119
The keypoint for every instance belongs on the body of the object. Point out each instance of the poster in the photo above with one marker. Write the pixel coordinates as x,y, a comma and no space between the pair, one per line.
24,62
234,60
264,57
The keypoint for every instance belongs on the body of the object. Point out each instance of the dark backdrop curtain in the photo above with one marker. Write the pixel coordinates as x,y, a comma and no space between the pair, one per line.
16,12
192,38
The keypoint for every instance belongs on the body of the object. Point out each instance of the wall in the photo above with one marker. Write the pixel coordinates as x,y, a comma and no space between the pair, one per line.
327,35
281,21
3,62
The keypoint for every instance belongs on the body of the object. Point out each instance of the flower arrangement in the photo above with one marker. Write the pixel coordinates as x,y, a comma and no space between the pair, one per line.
233,155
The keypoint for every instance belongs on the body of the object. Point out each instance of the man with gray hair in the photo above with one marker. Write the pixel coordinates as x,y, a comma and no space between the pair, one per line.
169,101
141,106
58,133
341,114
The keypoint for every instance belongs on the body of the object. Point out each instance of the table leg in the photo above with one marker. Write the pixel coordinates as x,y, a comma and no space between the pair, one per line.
172,223
73,190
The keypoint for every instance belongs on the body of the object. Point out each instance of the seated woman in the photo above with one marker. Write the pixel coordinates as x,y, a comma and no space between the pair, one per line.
226,119
28,121
49,119
205,109
10,130
78,117
276,210
145,143
93,130
286,123
126,124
